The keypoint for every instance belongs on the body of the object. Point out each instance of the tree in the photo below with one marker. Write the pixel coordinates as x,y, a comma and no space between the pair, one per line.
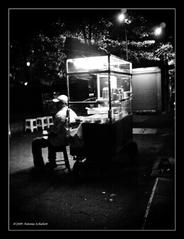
47,57
88,30
48,51
18,70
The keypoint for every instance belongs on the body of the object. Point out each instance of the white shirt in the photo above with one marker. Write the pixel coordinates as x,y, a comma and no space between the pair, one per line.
58,136
62,114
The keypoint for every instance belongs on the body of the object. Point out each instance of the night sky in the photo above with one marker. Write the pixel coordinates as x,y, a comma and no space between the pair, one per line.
23,23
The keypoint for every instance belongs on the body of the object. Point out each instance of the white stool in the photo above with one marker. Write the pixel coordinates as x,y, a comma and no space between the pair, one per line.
30,124
49,121
42,122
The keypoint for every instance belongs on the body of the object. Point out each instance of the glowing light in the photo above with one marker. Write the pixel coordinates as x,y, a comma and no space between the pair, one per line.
90,63
28,63
25,83
149,41
121,17
97,63
158,31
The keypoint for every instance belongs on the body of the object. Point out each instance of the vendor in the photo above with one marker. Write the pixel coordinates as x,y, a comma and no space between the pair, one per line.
57,135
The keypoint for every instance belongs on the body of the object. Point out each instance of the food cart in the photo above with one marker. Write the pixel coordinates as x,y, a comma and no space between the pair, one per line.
100,92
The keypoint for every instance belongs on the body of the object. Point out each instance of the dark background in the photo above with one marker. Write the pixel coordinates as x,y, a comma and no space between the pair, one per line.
23,23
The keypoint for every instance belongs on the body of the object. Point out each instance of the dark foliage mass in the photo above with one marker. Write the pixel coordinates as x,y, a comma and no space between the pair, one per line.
51,40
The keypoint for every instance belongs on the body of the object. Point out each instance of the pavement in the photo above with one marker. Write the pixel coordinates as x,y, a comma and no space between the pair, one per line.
124,196
161,213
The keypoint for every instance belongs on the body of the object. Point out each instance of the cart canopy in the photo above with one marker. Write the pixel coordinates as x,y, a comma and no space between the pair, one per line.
98,64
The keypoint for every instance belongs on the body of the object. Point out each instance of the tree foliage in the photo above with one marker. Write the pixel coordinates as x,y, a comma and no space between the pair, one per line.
49,56
47,53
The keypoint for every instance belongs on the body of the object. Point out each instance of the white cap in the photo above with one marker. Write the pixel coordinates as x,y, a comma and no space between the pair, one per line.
62,98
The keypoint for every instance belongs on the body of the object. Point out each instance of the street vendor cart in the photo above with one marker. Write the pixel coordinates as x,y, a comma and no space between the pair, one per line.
100,92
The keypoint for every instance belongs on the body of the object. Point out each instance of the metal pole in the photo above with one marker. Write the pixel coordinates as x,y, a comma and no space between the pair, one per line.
126,43
67,82
68,93
109,84
68,90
